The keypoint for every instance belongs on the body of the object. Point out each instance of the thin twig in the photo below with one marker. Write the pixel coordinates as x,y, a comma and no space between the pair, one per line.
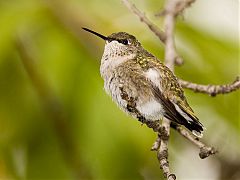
169,23
162,152
143,18
205,150
180,7
156,30
156,144
170,55
212,90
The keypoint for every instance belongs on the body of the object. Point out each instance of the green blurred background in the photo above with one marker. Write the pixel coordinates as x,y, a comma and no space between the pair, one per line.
56,122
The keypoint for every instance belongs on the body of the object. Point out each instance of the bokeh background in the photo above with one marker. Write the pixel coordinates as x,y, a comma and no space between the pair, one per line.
56,122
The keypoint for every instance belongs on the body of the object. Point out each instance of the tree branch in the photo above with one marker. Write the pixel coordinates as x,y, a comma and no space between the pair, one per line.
162,152
172,9
205,150
170,55
212,90
156,30
143,18
169,23
180,7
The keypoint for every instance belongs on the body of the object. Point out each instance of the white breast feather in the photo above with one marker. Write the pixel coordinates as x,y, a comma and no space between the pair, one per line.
152,110
154,76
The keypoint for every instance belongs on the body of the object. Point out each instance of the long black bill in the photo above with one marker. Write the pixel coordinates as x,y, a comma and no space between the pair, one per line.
97,34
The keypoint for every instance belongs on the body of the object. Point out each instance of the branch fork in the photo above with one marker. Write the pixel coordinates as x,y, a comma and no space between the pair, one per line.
172,9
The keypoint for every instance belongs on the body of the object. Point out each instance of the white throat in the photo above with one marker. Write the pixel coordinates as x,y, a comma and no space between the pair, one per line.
114,54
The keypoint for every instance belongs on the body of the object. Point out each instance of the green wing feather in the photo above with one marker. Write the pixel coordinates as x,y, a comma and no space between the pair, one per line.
172,91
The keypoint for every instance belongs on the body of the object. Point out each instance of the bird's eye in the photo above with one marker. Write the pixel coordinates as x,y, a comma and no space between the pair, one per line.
124,41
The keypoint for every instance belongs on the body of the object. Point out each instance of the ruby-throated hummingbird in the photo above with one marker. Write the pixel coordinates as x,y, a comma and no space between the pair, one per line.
141,85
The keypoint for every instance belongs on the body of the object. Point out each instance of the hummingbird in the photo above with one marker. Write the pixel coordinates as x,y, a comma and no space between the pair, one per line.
142,85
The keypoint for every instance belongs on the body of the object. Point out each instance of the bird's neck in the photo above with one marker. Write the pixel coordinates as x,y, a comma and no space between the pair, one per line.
110,61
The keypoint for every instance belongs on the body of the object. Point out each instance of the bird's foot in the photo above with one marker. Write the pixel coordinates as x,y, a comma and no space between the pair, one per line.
156,144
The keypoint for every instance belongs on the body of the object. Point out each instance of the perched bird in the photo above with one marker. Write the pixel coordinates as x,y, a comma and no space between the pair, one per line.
142,85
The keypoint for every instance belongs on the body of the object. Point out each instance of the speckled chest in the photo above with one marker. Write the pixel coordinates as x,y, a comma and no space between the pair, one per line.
128,86
127,79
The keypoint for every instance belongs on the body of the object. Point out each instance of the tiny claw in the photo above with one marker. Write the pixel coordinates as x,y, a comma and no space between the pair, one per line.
156,144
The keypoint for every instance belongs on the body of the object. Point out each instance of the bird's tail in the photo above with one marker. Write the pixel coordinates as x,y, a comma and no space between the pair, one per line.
190,121
195,127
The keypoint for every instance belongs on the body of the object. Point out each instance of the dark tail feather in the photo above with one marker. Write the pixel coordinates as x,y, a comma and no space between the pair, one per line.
178,115
195,127
190,121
